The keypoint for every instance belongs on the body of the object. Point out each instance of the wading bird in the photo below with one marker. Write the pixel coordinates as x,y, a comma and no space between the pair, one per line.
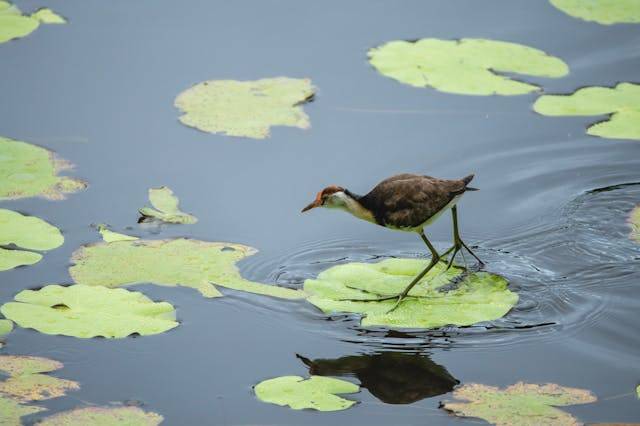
404,202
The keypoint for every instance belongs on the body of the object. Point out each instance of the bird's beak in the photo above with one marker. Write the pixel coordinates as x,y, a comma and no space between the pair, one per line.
313,205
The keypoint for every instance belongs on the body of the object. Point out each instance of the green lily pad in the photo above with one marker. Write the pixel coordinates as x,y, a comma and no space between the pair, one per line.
521,404
25,383
622,102
166,207
634,221
246,108
26,232
28,171
174,262
478,297
466,66
11,411
5,327
15,25
88,311
317,392
110,236
605,12
99,416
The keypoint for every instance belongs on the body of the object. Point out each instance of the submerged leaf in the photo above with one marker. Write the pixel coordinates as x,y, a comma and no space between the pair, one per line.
174,262
25,383
622,102
87,311
467,66
317,392
521,404
166,207
634,221
11,411
478,297
605,12
48,16
110,236
246,108
28,171
15,25
99,416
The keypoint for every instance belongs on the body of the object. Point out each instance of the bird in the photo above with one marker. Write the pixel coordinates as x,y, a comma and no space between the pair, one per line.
404,202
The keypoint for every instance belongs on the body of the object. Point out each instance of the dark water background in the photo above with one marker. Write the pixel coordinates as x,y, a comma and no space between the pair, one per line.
99,91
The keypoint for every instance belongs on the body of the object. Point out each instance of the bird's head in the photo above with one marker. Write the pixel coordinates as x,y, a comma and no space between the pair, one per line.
330,197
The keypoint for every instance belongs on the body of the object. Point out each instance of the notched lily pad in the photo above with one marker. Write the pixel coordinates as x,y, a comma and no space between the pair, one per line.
246,108
520,404
88,311
605,12
466,66
25,383
431,303
119,416
11,411
13,24
634,222
31,171
622,103
317,392
26,232
165,207
173,262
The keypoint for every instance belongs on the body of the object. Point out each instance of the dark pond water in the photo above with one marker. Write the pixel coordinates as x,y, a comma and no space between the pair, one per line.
550,215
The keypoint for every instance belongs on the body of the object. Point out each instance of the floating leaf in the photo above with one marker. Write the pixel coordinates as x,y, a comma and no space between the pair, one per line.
27,384
246,108
478,297
5,328
605,12
28,171
316,392
519,404
174,262
110,236
11,411
166,207
638,391
467,66
48,16
87,311
26,232
622,102
634,221
120,416
14,25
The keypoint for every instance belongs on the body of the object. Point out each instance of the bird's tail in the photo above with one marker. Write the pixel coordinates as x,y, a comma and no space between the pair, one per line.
466,181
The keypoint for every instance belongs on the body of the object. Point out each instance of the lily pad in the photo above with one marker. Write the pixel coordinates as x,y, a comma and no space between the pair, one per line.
634,221
521,404
28,171
317,392
5,327
605,12
166,207
466,66
173,262
622,102
246,108
476,298
88,311
11,411
25,383
15,25
99,416
27,232
110,236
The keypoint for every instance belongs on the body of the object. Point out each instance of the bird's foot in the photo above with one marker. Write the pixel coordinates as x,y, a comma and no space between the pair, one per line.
457,247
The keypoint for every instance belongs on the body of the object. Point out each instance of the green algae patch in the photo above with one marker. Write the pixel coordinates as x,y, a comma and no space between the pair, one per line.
25,232
89,311
26,383
174,262
13,24
432,303
31,171
165,207
246,108
317,392
466,66
11,411
520,404
604,12
110,236
99,416
634,222
622,103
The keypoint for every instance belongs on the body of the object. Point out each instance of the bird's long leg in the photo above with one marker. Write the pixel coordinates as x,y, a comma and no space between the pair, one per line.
432,249
458,244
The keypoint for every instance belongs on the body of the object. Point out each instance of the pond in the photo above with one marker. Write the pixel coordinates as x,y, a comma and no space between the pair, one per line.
550,216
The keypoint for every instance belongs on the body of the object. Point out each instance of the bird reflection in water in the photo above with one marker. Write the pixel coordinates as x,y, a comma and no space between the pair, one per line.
392,377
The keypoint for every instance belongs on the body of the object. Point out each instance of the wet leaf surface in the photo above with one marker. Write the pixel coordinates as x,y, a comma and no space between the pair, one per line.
166,207
466,66
246,108
519,404
25,383
605,12
99,416
317,393
89,311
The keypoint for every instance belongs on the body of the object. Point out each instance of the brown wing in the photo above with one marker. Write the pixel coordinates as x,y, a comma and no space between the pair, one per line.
410,200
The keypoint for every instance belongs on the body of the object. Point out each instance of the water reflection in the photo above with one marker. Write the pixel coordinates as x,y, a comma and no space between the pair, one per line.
392,377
